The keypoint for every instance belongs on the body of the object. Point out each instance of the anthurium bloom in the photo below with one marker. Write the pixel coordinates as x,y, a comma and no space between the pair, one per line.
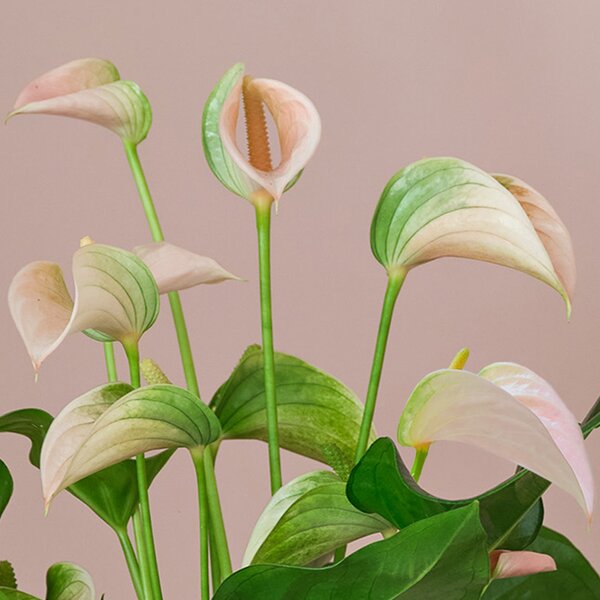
115,294
441,207
115,422
504,563
175,268
92,90
298,129
509,411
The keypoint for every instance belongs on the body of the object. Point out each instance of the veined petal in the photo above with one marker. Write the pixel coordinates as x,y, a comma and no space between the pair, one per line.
74,76
112,423
541,398
504,564
299,130
89,89
175,268
219,119
41,308
549,227
115,295
463,407
442,207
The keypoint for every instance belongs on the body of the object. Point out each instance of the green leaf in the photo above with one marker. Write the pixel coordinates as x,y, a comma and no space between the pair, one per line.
441,557
110,493
315,411
7,575
382,484
307,519
107,425
66,581
574,579
10,594
6,486
30,422
592,419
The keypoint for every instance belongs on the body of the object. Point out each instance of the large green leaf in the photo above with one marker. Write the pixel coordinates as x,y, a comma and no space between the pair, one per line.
66,581
316,413
307,519
382,484
6,486
108,425
441,557
111,493
574,579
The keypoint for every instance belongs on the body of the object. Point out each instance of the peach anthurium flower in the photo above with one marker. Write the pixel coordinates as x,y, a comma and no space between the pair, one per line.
115,295
89,89
504,563
175,268
509,411
298,128
440,207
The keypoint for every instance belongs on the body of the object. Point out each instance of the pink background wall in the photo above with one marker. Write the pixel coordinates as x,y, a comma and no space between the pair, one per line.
511,86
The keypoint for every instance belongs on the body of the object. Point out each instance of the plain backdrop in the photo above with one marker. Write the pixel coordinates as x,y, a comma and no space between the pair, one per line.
511,86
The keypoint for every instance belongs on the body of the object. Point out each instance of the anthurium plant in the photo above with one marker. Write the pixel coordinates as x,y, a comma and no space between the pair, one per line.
107,446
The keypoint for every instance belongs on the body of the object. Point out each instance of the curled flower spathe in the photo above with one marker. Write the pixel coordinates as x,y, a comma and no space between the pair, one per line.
509,411
298,128
442,207
116,293
92,90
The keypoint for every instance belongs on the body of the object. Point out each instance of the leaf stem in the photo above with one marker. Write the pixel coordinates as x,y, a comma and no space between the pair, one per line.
132,563
395,281
183,340
263,226
133,358
216,514
198,459
109,358
138,529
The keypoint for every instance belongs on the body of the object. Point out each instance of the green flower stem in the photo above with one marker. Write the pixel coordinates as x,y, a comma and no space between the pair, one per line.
215,567
138,532
395,281
183,340
217,525
263,226
420,458
132,563
198,459
111,366
133,357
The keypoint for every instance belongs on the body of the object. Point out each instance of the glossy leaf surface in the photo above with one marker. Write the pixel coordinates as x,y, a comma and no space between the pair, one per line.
574,577
6,486
307,519
10,594
315,411
441,557
439,207
382,484
66,581
108,425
